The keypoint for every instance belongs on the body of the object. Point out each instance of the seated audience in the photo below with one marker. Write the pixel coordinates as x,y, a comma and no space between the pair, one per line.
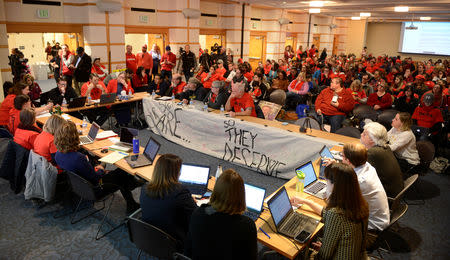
280,82
27,131
221,70
358,93
140,80
160,86
56,95
297,91
177,85
440,100
211,76
8,102
234,235
44,144
334,103
35,90
258,88
121,86
429,117
365,82
99,69
193,90
20,102
240,103
94,88
381,99
403,142
173,201
407,102
68,158
345,216
374,138
397,86
218,95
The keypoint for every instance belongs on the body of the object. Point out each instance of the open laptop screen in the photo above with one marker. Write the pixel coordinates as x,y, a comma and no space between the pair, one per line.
325,152
308,170
127,134
254,197
93,131
279,206
151,149
194,174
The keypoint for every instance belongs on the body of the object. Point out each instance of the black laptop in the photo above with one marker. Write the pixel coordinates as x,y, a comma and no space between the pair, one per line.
107,98
287,221
76,102
147,157
194,177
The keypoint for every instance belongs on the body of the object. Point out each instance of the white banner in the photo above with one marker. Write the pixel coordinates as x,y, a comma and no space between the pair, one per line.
266,150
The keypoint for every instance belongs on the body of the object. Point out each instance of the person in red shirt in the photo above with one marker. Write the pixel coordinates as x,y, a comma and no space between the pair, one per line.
381,99
168,62
130,59
213,75
44,145
27,131
428,116
177,85
267,67
93,88
145,60
67,67
20,102
334,103
312,51
358,92
99,69
118,86
240,103
140,81
8,102
220,69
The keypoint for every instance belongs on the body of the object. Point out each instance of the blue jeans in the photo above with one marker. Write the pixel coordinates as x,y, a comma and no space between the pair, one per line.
334,120
166,73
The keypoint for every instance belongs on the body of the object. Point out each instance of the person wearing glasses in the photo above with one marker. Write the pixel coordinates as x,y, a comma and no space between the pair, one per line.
381,99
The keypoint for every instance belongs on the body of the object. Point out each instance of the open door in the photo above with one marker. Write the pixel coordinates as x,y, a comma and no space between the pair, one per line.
292,41
335,44
316,41
257,43
157,39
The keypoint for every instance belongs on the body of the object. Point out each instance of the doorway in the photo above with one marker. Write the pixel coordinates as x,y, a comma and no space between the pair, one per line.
335,44
257,50
207,41
316,41
292,41
136,40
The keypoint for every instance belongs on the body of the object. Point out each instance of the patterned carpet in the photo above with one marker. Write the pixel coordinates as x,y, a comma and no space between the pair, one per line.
30,232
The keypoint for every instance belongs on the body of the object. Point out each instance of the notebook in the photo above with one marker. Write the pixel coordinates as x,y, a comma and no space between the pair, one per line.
287,221
312,185
254,199
147,157
194,177
87,139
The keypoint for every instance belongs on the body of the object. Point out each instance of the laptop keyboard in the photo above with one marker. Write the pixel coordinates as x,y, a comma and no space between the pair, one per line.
316,187
253,215
296,222
84,140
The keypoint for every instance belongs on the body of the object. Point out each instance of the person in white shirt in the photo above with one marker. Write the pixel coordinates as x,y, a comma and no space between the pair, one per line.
403,142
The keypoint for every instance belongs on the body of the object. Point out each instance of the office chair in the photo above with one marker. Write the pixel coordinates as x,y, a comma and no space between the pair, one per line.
395,202
349,131
385,118
86,191
364,111
178,256
149,238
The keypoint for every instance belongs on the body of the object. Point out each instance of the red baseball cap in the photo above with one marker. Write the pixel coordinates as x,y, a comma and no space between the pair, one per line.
420,77
429,84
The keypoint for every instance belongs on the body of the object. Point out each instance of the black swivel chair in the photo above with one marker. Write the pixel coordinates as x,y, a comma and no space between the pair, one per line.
349,131
150,239
386,117
86,191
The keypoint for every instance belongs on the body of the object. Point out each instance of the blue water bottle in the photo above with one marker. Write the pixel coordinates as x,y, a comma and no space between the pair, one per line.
135,145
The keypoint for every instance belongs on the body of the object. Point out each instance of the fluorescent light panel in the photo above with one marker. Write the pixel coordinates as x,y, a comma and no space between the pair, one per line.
356,18
401,9
316,3
314,10
425,18
364,14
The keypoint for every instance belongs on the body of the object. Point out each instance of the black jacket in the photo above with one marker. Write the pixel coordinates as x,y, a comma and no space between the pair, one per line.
200,93
83,70
55,95
220,100
14,166
189,60
164,88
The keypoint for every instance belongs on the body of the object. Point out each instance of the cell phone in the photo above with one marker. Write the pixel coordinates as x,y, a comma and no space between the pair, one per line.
334,99
303,236
207,194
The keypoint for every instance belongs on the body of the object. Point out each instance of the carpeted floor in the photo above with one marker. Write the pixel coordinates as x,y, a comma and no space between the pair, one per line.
29,232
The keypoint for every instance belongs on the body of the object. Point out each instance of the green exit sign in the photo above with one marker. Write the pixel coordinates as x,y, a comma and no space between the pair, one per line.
43,13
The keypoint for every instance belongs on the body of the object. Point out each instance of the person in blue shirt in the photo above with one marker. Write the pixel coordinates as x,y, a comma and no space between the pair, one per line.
68,158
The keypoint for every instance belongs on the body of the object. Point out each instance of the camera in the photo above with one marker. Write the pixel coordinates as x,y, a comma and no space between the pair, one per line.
182,51
216,48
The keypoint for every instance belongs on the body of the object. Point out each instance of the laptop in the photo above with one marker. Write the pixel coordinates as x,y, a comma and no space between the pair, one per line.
108,98
126,139
254,199
324,153
313,186
147,157
90,138
195,178
76,102
288,222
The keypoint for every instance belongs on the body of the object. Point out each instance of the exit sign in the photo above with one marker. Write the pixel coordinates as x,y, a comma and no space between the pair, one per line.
143,19
43,13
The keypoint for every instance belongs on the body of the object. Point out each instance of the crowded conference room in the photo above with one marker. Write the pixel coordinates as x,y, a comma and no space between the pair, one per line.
224,129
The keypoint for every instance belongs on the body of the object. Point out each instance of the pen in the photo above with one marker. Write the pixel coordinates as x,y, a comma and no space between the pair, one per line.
264,232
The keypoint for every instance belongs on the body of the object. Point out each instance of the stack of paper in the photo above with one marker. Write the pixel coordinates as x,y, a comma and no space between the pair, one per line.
114,157
105,134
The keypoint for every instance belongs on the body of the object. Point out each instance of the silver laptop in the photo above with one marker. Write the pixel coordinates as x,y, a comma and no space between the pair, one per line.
313,186
254,199
194,177
287,221
90,138
147,157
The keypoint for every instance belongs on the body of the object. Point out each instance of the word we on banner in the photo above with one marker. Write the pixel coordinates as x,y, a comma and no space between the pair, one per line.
266,150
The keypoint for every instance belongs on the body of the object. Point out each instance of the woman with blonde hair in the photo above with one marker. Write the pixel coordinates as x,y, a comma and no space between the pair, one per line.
173,201
156,56
229,234
44,144
403,142
358,92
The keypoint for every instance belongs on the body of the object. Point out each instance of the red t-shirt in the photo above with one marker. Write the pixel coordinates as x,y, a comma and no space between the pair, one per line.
14,120
241,104
112,87
95,92
131,62
361,94
100,71
214,77
221,71
179,88
25,138
345,99
427,116
384,102
249,76
44,145
145,60
138,81
169,56
7,104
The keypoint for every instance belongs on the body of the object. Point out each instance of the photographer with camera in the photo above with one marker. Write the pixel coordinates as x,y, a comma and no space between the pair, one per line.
189,62
18,64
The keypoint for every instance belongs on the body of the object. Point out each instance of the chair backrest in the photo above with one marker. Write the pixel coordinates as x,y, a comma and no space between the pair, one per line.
426,152
4,133
397,213
151,239
385,118
364,111
349,131
178,256
81,186
407,183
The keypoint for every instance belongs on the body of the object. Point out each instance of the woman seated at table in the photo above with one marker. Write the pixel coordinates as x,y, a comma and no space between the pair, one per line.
121,86
20,102
218,230
27,131
345,216
172,200
403,142
44,144
140,80
35,90
68,158
218,95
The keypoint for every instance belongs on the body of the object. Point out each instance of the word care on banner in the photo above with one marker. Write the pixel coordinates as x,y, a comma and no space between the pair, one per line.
266,150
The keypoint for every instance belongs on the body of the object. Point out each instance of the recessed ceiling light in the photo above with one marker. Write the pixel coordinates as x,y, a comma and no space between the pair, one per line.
356,18
314,10
316,3
364,14
425,18
401,9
